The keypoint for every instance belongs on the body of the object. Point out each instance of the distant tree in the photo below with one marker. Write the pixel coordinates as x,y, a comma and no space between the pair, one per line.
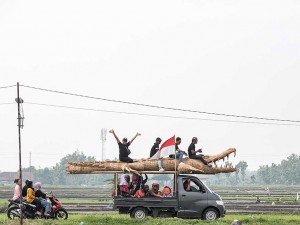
287,172
59,170
242,166
253,178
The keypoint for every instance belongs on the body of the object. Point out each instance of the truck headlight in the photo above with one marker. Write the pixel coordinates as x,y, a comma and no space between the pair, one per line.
220,202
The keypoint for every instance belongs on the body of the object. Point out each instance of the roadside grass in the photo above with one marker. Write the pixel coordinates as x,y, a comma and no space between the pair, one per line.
107,219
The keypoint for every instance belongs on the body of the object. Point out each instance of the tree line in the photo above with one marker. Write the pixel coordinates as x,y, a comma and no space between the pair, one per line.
57,175
287,172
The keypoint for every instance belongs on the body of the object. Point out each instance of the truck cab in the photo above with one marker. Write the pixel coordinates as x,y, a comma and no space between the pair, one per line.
199,201
195,200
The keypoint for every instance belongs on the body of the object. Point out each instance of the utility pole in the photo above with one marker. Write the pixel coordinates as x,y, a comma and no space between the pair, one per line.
20,125
103,138
30,165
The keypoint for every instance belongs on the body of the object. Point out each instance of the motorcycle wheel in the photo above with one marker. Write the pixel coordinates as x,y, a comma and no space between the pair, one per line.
61,214
13,212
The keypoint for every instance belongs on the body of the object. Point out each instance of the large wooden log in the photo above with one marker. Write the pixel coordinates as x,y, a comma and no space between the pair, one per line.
142,165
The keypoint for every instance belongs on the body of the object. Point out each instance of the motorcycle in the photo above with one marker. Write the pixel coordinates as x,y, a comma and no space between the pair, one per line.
29,210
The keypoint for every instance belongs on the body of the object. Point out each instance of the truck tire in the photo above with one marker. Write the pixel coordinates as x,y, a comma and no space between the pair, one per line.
210,214
139,213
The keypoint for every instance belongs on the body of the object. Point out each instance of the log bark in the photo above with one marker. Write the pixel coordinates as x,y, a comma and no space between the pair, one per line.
142,165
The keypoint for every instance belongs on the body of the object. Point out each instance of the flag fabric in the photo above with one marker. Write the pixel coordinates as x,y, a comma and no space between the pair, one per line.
166,149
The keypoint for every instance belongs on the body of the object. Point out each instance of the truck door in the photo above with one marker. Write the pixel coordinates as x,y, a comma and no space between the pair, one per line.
191,202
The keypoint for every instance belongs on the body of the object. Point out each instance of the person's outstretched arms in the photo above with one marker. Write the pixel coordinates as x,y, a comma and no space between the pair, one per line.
137,134
116,137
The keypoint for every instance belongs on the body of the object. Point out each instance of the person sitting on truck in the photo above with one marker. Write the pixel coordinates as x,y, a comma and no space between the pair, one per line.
114,191
167,192
124,184
155,191
130,188
154,150
138,181
178,152
192,151
144,192
123,147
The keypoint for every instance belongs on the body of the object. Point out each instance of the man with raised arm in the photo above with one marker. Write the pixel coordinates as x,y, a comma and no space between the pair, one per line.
123,147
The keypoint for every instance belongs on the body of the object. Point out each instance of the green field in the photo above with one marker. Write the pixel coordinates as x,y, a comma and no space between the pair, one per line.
125,219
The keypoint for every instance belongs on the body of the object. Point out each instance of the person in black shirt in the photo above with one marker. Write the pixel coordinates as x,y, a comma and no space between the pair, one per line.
24,189
154,150
192,151
123,147
43,198
179,152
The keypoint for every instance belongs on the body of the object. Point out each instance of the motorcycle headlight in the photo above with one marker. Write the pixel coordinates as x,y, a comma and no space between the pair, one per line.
219,202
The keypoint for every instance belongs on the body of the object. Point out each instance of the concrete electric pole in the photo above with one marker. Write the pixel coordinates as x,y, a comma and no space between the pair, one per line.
103,139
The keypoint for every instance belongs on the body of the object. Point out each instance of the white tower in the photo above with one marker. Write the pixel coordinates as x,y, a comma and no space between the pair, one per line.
103,139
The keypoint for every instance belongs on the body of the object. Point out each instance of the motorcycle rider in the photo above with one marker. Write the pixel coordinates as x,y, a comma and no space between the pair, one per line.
30,198
17,191
43,198
24,189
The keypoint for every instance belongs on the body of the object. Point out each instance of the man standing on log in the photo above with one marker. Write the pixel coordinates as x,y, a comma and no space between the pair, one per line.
192,151
123,147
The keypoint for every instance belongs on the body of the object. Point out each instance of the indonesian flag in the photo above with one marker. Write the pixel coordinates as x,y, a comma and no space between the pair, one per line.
166,149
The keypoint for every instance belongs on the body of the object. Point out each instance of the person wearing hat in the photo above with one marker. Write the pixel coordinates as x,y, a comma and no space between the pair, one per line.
155,191
123,147
154,150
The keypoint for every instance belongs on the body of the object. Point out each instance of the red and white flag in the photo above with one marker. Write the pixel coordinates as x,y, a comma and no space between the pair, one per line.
166,149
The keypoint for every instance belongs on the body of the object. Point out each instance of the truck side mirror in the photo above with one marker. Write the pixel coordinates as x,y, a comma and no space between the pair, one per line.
203,190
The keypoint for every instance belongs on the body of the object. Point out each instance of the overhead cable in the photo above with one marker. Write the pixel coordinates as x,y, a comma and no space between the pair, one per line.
7,103
162,116
161,107
8,86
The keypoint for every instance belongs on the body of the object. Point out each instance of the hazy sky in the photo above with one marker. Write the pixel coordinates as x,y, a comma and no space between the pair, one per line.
234,57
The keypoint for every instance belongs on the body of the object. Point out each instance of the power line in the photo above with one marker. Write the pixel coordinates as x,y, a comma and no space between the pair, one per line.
157,115
7,103
161,107
9,86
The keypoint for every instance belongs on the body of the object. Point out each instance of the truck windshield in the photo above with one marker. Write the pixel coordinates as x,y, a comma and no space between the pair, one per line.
207,188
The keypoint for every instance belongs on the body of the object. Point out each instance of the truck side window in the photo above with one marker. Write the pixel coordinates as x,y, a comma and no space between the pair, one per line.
194,187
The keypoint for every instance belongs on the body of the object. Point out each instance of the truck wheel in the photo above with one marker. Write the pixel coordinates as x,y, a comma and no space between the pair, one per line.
210,214
139,213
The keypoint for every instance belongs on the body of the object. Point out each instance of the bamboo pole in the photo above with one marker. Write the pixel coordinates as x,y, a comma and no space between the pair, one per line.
116,183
